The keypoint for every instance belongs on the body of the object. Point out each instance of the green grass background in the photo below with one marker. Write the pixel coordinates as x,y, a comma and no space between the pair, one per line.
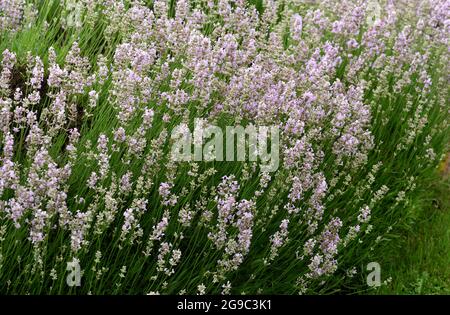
419,263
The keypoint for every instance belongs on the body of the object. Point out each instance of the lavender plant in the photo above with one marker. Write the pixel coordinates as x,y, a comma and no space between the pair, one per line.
90,92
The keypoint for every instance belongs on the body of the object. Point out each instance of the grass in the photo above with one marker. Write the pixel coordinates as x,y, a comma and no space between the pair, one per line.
419,263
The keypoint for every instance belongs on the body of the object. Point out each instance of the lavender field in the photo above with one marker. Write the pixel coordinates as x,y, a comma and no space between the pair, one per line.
215,146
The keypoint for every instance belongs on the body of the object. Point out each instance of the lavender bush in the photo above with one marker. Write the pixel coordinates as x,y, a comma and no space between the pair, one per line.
91,91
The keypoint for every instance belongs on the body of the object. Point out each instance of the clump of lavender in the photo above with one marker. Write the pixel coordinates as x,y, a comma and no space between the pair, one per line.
85,140
11,13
